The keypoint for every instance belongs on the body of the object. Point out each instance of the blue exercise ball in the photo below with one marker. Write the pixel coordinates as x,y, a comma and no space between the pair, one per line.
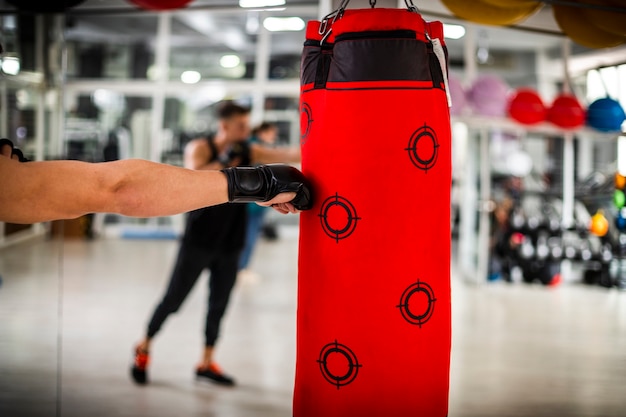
605,114
620,220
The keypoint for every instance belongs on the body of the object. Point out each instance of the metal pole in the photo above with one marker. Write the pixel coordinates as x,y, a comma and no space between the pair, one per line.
261,72
467,210
39,67
158,95
482,268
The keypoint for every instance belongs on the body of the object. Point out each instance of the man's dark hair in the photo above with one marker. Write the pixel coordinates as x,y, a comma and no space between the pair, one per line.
228,109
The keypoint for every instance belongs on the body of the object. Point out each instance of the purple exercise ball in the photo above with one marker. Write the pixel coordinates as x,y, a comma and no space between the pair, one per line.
488,96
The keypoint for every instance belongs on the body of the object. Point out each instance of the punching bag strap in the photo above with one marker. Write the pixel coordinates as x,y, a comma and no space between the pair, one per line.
441,58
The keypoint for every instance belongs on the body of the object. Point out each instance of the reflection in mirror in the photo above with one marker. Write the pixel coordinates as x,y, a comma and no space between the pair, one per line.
30,254
74,293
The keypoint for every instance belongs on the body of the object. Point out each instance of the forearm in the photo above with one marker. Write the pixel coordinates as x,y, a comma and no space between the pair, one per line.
287,154
44,191
149,189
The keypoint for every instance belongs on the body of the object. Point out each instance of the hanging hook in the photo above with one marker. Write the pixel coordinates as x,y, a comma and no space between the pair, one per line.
373,3
413,8
325,27
410,6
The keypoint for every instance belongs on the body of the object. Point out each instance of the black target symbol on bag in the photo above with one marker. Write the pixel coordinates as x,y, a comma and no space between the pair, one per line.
417,303
423,148
338,217
339,364
306,121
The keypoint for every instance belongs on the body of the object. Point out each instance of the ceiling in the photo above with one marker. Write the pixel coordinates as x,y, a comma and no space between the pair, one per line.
539,30
222,24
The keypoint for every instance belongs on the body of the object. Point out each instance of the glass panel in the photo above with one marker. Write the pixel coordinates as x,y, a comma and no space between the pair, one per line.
217,45
110,46
285,113
30,254
285,53
107,125
187,118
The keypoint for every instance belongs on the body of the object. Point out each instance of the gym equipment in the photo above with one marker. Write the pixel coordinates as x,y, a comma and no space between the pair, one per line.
599,224
607,20
620,181
527,107
619,199
566,112
480,11
264,182
620,220
574,23
519,163
489,96
512,3
606,115
373,317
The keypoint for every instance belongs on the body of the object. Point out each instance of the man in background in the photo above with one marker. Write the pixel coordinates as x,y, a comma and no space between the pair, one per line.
213,239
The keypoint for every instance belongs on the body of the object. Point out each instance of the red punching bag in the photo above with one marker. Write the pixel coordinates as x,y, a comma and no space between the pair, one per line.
373,317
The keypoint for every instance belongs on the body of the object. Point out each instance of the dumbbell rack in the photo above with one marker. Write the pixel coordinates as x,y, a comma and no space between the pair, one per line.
476,188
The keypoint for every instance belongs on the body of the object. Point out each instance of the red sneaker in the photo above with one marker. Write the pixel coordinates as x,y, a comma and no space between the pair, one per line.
139,370
215,374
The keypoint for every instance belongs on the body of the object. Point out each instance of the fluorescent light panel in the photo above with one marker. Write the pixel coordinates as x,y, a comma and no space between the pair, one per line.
453,31
283,24
190,77
230,61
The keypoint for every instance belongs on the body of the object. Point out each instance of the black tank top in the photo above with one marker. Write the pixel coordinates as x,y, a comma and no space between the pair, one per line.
221,227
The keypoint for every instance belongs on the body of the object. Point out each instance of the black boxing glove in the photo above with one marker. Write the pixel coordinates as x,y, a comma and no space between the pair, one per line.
234,156
14,150
264,182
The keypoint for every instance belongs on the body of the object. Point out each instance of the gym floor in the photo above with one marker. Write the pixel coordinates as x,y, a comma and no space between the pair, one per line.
71,311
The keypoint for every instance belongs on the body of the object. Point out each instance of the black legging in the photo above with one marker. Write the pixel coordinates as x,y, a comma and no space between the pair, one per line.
190,263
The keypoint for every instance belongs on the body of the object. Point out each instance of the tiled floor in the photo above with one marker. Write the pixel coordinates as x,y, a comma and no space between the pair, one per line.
71,311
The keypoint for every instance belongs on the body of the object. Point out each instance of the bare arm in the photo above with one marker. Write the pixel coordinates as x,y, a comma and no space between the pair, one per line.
42,191
196,155
264,155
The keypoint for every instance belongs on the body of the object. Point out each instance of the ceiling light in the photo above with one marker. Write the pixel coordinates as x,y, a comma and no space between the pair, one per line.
281,24
230,61
453,31
260,3
190,77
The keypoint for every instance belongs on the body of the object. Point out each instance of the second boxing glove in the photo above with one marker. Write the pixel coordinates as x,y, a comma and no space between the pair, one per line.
14,151
264,182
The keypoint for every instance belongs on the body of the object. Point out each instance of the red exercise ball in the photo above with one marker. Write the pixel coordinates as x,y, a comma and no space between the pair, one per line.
161,4
527,107
567,112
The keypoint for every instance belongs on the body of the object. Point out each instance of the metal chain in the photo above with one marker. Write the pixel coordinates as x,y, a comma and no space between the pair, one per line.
326,28
411,7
